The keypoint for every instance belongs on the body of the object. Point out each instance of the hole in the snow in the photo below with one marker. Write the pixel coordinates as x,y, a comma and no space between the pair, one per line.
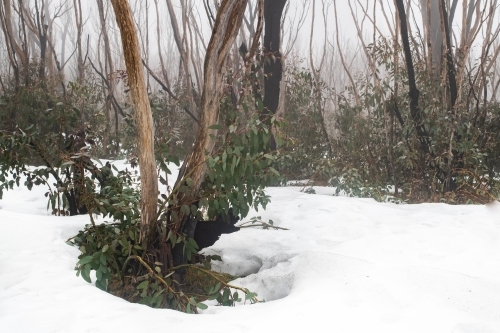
271,278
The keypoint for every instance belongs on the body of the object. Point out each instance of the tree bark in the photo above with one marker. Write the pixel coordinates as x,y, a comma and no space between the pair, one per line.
432,24
143,117
10,39
273,70
77,5
227,23
109,69
226,26
450,66
413,93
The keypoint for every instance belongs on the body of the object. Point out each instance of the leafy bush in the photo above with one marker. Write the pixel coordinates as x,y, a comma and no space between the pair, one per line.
375,143
238,170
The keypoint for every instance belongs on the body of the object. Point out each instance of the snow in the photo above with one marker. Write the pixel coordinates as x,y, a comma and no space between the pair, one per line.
345,265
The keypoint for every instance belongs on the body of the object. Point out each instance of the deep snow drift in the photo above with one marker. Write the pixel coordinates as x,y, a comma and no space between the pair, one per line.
345,265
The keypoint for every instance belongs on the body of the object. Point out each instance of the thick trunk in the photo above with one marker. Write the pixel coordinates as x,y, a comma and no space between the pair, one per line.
143,117
432,24
227,23
273,9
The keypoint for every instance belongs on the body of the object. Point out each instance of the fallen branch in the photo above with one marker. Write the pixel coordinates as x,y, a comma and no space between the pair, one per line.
227,285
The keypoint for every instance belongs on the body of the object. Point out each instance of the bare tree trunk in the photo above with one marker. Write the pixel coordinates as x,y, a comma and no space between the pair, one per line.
64,35
317,79
109,70
183,51
432,24
79,31
5,21
394,106
143,117
226,26
273,70
10,38
342,59
413,93
42,37
160,53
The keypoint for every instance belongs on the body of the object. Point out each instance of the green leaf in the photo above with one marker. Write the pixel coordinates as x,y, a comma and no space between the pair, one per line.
185,209
250,295
143,285
201,306
85,260
273,170
213,296
260,105
215,127
86,274
98,274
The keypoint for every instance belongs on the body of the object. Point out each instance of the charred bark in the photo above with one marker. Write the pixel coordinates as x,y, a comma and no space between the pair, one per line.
413,92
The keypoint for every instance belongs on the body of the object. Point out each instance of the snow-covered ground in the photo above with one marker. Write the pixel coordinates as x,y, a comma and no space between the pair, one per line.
345,265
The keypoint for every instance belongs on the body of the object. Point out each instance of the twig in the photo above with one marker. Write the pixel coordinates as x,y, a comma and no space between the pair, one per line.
114,102
262,224
244,290
159,278
164,87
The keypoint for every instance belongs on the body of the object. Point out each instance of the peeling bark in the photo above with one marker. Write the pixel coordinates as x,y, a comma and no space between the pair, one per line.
227,23
143,117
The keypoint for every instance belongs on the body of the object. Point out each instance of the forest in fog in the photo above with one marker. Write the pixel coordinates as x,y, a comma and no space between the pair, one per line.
386,99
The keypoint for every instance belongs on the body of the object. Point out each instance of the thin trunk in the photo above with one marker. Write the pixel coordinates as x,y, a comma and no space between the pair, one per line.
42,37
273,70
413,93
109,70
342,59
160,53
183,51
77,6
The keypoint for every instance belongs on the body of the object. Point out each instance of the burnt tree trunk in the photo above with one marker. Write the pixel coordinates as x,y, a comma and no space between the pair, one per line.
414,93
273,70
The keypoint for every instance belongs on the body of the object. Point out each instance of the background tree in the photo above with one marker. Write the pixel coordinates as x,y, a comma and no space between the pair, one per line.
273,70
